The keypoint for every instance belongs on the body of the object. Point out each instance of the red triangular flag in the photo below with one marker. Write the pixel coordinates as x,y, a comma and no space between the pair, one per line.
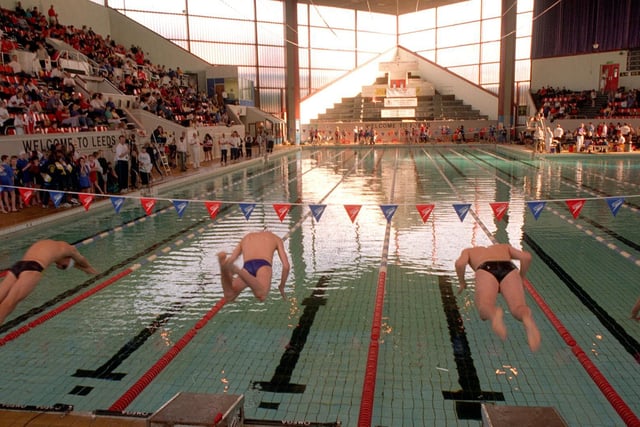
213,208
499,209
86,199
425,211
148,204
26,194
282,209
352,211
575,206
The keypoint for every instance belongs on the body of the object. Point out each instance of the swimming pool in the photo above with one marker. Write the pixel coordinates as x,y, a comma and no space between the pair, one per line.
373,331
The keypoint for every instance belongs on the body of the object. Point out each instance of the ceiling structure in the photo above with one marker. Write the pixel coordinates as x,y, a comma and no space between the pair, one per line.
389,7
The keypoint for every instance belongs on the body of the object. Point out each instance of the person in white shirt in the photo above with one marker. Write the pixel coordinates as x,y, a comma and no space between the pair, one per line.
181,152
122,163
224,149
194,146
5,118
145,167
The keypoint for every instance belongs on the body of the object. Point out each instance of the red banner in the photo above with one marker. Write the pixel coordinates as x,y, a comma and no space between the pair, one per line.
86,199
352,211
26,194
425,211
213,208
282,209
575,206
147,204
499,209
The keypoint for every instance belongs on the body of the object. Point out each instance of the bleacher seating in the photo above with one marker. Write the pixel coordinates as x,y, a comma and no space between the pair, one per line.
437,107
80,50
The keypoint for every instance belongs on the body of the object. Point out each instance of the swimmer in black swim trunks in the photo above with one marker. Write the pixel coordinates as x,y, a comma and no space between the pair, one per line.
25,274
495,273
257,250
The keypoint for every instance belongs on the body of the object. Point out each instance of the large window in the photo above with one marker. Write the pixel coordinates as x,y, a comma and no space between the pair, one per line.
464,37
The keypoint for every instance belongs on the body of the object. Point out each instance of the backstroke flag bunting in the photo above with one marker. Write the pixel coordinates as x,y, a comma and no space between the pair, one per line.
56,196
213,208
180,206
615,203
352,211
26,194
499,209
536,208
425,211
85,200
247,209
388,211
147,204
575,206
117,203
282,209
317,211
462,209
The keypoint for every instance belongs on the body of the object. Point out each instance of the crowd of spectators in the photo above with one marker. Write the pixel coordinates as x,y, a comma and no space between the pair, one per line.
556,103
47,99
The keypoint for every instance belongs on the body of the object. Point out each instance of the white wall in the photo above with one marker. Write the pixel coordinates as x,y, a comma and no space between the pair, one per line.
579,72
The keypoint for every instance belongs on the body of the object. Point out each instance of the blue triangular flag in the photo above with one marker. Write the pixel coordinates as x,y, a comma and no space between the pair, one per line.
462,209
536,208
117,203
247,209
56,196
181,206
388,211
615,203
317,211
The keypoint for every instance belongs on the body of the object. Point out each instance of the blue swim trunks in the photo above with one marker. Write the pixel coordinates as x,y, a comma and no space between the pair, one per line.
253,265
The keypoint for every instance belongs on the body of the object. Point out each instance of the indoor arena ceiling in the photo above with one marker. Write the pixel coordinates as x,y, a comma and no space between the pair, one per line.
389,7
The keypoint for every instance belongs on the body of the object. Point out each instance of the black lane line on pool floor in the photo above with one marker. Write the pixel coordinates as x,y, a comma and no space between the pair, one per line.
469,398
105,371
629,343
281,380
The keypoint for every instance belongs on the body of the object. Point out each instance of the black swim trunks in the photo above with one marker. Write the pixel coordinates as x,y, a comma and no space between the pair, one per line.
499,269
23,265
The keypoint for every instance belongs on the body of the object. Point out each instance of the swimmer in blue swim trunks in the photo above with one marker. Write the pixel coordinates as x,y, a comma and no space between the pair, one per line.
24,275
495,273
257,250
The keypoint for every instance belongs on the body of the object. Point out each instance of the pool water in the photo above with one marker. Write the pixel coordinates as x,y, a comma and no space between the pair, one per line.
373,331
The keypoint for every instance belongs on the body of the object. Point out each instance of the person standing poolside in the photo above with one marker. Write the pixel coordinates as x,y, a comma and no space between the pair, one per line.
495,273
24,275
257,250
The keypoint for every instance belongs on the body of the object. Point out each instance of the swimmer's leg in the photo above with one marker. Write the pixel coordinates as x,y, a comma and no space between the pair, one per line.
485,299
230,288
513,293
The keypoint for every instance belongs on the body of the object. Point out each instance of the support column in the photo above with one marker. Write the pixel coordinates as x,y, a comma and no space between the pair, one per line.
292,73
507,65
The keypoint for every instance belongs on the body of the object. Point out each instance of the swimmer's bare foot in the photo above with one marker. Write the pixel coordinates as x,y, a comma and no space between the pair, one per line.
497,324
533,334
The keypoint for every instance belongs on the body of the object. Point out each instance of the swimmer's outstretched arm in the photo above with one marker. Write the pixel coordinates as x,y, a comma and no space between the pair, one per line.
285,268
81,263
461,266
